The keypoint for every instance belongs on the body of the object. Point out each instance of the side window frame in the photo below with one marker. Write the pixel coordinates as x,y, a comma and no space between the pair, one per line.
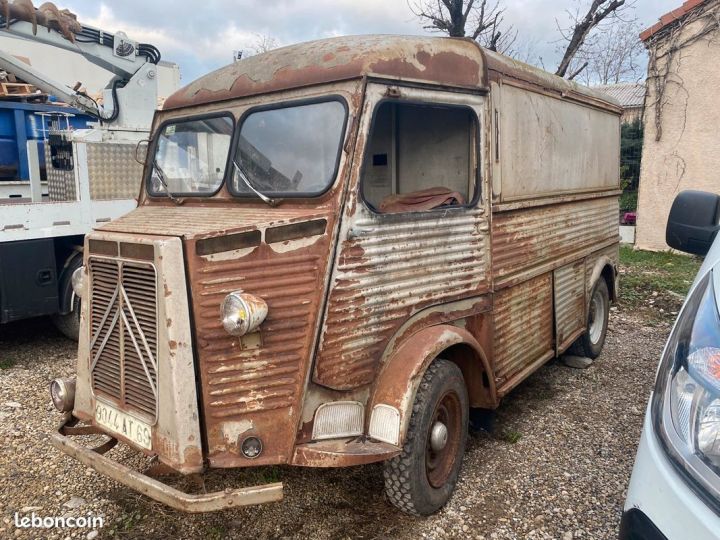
367,156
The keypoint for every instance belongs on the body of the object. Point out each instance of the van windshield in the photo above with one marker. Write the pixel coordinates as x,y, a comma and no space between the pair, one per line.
292,150
191,156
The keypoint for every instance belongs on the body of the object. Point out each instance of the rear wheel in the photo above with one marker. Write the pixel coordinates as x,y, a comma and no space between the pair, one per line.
590,344
422,478
69,323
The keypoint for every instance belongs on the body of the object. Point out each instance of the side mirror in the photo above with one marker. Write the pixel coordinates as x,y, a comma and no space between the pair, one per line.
141,151
693,222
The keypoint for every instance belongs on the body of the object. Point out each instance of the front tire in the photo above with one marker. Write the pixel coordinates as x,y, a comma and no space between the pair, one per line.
590,344
422,478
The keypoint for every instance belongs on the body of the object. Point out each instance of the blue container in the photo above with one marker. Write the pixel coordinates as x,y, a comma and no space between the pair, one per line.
20,122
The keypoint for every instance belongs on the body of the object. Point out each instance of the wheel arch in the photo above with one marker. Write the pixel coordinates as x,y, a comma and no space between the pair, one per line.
605,268
68,255
398,381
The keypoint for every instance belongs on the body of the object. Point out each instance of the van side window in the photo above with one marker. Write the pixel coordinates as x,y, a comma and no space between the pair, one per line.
420,157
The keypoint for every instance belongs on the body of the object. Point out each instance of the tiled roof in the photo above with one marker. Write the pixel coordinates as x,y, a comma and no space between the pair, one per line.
628,94
671,17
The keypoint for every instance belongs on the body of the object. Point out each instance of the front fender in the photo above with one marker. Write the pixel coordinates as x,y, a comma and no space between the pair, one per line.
401,374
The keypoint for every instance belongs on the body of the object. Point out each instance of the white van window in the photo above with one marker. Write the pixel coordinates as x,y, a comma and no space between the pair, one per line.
420,157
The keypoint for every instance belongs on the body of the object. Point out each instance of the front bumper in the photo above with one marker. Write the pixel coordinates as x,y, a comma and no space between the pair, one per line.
664,497
206,502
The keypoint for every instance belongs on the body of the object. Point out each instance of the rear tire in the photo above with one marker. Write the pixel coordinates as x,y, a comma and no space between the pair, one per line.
590,344
69,323
422,478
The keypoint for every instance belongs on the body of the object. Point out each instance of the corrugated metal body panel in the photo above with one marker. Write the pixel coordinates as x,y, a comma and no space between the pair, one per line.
522,239
264,378
256,381
569,301
388,268
523,325
551,146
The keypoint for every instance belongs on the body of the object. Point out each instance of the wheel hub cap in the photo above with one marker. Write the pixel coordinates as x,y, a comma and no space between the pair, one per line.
597,318
438,436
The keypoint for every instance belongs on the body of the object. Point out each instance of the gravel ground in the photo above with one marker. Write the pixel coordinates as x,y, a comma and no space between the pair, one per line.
556,465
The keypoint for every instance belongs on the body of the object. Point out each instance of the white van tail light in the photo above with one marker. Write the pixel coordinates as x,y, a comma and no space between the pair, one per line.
385,424
338,419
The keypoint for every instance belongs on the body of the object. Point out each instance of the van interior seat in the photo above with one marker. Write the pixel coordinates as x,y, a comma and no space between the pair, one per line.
424,199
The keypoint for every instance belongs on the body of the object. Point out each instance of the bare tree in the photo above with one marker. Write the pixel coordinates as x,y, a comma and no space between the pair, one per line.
580,28
263,43
482,20
611,56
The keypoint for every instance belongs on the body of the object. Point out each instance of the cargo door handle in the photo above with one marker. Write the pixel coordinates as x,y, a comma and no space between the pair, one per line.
44,277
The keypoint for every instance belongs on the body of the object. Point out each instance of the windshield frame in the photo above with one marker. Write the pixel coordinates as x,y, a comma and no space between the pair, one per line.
152,154
286,105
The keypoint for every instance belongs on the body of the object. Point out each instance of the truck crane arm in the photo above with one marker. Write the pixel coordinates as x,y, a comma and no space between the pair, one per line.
130,61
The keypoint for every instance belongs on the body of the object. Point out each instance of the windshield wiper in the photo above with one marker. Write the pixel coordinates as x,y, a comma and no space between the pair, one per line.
161,177
263,197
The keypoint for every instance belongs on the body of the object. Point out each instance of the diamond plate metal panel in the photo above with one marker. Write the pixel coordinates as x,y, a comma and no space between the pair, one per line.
113,171
60,182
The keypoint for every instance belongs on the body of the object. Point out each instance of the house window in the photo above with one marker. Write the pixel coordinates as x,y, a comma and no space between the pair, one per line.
420,157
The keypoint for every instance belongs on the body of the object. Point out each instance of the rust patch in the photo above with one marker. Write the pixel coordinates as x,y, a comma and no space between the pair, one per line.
250,379
444,61
523,330
529,238
389,268
343,453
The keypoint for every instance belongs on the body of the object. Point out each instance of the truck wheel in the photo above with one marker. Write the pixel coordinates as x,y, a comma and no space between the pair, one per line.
69,324
422,478
590,344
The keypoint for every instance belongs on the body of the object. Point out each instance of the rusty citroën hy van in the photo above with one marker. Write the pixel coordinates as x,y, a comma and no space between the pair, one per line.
340,247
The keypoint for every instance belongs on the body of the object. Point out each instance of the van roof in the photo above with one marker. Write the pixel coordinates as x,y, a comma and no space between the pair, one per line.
453,62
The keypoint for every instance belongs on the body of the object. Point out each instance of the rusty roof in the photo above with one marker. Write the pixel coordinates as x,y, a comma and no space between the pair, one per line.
671,17
457,62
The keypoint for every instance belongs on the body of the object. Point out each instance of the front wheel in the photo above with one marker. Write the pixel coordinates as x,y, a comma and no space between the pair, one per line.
590,344
422,478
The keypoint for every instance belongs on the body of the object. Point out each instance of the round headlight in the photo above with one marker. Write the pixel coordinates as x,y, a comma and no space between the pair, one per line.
242,313
78,281
62,392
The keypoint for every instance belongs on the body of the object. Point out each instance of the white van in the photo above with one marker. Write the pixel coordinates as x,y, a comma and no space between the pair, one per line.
674,490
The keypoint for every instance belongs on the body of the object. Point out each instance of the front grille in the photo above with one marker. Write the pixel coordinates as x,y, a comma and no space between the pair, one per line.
123,329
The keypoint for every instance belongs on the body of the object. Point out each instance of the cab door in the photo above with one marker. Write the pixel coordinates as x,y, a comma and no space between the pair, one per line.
415,230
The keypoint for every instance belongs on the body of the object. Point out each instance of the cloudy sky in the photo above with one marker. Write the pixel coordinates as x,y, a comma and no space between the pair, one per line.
201,36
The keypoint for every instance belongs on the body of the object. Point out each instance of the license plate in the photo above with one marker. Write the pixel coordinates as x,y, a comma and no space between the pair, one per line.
131,428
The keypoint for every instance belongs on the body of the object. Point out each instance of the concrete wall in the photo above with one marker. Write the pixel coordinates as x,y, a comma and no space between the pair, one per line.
687,156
